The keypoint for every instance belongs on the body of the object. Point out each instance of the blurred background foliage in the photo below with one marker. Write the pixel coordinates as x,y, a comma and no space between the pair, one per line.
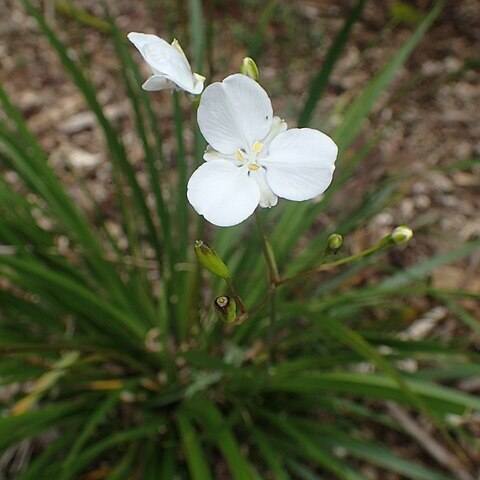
113,364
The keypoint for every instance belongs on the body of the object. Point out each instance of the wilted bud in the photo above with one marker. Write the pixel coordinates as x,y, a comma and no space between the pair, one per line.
402,234
210,259
226,308
335,241
250,69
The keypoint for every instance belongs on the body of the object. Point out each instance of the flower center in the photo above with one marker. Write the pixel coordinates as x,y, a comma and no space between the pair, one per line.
250,158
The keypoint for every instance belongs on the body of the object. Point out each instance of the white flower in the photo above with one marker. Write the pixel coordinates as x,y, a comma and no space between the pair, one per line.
169,64
252,159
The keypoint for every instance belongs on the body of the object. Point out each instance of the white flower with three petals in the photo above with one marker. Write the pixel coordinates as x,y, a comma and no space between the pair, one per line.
252,159
170,66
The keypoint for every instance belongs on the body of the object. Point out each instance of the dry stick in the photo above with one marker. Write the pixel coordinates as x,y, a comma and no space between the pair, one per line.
429,444
470,272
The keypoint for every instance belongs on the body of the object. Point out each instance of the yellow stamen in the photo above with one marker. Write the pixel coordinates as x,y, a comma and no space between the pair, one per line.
239,156
253,166
257,147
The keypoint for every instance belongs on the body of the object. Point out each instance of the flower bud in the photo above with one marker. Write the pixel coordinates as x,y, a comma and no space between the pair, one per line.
226,308
210,259
250,69
335,241
402,234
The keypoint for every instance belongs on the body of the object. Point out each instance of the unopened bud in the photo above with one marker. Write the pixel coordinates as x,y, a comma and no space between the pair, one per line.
210,259
250,69
335,241
226,308
402,234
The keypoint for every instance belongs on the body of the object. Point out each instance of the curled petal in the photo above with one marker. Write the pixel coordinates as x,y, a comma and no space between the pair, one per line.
234,114
166,61
267,197
300,163
142,39
278,126
211,154
223,193
158,82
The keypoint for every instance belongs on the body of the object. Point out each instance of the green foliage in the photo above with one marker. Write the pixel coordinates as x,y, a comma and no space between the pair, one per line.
404,12
148,384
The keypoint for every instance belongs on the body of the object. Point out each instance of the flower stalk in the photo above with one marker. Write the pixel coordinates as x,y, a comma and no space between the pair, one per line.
273,281
273,274
386,242
237,297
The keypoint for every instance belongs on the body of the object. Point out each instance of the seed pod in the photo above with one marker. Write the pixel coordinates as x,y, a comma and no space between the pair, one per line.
210,259
226,308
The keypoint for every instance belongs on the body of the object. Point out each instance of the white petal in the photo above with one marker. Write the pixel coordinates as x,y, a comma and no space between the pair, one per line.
141,39
168,61
158,82
177,45
234,114
300,163
198,81
223,193
267,197
211,154
278,126
165,59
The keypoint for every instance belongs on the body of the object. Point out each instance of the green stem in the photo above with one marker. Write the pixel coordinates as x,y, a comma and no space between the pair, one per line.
236,296
195,289
182,211
273,317
385,243
273,281
329,266
273,275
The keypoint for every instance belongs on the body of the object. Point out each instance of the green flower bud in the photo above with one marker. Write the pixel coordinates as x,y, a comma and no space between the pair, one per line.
402,234
210,259
226,308
335,241
250,69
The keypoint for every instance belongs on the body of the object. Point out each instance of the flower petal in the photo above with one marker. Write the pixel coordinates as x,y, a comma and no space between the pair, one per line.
234,114
141,39
211,154
158,82
300,163
165,59
278,126
223,193
168,61
267,197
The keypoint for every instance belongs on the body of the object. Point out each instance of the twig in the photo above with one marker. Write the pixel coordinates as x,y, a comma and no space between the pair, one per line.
429,444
